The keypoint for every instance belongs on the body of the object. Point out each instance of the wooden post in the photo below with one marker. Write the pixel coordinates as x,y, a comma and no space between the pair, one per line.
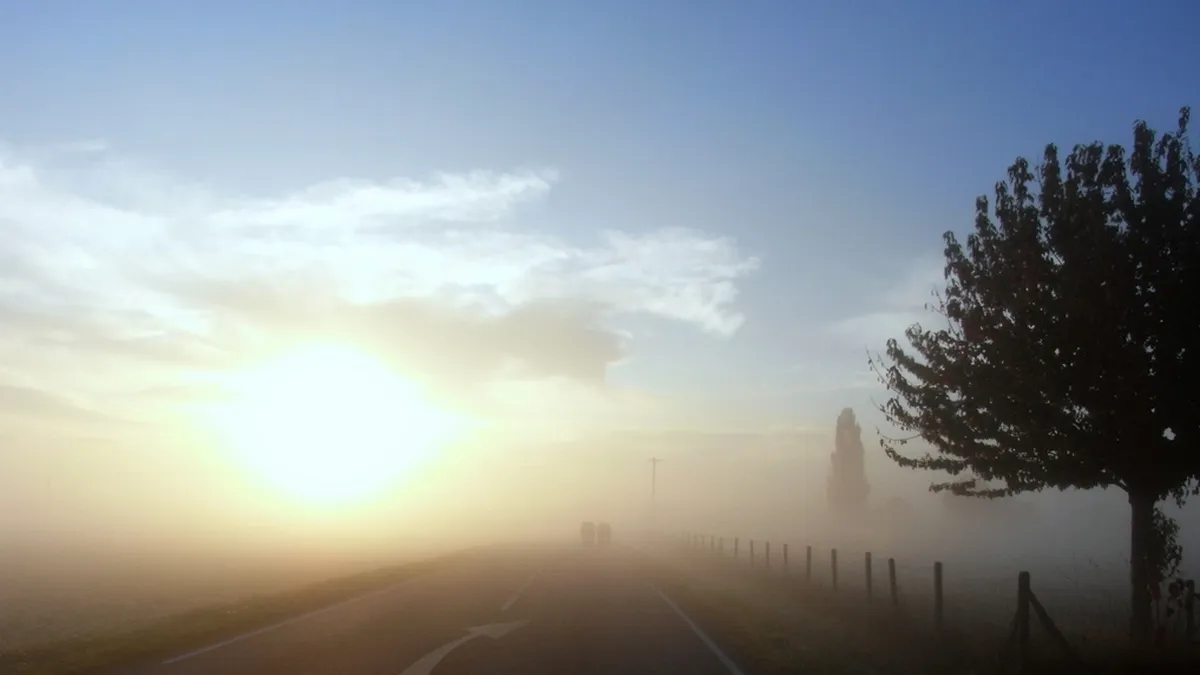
867,563
892,582
721,546
1023,594
752,553
712,543
938,614
785,560
808,564
735,548
833,567
1189,609
767,554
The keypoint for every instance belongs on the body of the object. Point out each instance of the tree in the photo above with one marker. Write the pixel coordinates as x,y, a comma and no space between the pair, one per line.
965,505
846,488
1070,356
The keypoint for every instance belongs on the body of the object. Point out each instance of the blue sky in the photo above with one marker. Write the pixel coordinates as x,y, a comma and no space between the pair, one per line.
807,155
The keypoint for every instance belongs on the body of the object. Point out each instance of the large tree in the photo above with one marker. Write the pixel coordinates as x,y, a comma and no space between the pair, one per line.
1070,351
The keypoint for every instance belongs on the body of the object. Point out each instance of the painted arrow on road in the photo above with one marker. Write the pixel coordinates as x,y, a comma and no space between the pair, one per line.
495,631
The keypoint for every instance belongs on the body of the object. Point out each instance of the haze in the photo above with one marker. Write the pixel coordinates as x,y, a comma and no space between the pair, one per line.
585,243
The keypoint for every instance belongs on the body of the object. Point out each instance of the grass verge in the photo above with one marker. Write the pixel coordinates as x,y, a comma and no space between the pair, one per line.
175,634
776,628
772,625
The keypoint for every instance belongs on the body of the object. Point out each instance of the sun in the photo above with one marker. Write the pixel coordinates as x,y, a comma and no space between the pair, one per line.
329,423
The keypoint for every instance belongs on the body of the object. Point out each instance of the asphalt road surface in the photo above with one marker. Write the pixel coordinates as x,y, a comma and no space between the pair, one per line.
562,611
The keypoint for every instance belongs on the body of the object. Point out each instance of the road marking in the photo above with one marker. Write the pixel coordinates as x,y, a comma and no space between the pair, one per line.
712,646
281,624
495,631
517,596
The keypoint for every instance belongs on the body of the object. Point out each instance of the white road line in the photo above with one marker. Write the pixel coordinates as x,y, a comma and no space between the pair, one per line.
517,596
281,624
712,646
431,660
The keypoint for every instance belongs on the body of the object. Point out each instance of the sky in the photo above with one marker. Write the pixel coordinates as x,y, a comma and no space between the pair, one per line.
569,217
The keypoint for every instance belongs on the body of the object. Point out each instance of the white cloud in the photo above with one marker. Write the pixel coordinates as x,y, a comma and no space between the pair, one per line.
105,246
345,206
674,273
83,147
901,304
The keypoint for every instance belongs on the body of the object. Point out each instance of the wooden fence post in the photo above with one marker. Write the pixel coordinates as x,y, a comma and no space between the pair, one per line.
767,554
892,582
938,598
1189,609
1023,594
833,566
752,553
785,560
721,546
735,548
712,543
867,563
808,564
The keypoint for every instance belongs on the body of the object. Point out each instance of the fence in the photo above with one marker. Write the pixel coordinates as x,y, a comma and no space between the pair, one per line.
1015,654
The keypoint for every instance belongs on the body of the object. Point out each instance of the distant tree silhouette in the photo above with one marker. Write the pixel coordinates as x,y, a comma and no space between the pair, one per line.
847,488
1071,352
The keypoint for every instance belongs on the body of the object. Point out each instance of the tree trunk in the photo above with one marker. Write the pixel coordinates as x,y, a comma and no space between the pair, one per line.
1141,535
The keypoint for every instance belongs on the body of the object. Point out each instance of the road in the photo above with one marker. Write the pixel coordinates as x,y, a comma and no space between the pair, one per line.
549,611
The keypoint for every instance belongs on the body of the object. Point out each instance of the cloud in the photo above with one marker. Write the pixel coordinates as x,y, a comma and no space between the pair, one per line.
674,273
106,262
819,379
902,303
42,406
437,340
333,206
899,302
83,147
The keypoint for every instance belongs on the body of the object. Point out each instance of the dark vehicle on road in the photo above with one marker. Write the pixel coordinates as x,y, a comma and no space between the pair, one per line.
587,532
603,534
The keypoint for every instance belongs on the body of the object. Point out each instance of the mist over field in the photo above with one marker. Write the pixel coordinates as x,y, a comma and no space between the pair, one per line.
82,557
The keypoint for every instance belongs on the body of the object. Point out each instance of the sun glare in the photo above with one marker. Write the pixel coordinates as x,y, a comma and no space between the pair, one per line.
330,423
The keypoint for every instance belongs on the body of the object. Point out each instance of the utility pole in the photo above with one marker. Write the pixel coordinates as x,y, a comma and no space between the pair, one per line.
654,476
653,494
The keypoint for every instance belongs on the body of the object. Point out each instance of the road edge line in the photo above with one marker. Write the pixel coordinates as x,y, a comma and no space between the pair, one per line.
285,622
708,642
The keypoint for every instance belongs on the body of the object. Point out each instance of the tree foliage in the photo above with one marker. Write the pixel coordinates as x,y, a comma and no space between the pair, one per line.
1070,354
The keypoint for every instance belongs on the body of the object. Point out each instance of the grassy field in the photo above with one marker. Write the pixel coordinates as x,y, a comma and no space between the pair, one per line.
775,626
53,598
103,650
